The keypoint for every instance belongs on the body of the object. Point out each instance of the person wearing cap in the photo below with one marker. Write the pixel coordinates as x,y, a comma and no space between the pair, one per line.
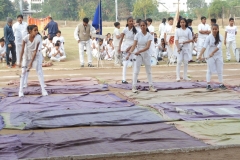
20,31
10,44
52,28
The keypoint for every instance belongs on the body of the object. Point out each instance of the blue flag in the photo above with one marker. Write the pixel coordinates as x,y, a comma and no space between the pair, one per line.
97,19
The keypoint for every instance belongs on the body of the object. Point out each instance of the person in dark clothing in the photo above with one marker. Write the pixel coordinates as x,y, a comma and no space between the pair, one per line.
190,25
10,44
52,28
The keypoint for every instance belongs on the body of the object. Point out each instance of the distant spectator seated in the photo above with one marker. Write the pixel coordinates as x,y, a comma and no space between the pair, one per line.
44,46
57,54
194,46
60,38
109,50
162,50
47,64
101,48
2,50
50,47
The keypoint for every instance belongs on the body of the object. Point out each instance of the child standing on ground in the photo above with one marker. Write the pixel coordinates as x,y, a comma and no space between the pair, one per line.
214,56
167,36
230,38
116,40
31,57
183,38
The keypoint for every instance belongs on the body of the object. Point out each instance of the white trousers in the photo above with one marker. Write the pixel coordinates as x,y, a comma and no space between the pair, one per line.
125,64
110,54
117,59
215,65
18,52
81,51
229,45
182,57
44,52
146,60
170,51
58,59
37,64
200,44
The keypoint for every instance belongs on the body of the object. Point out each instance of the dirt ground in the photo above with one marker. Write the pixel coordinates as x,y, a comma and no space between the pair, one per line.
111,74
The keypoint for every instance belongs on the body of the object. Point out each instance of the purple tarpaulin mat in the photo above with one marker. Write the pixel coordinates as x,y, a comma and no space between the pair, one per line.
163,85
1,122
86,141
84,117
199,110
8,155
8,145
62,102
10,92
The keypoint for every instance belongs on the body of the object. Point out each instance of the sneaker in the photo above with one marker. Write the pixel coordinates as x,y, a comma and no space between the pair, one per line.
20,94
14,66
90,65
124,82
178,79
204,61
134,90
209,88
222,87
82,65
8,66
152,89
191,61
198,61
44,93
187,79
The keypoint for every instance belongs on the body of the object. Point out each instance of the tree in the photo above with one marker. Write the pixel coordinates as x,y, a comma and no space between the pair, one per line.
25,6
82,14
6,9
198,7
216,8
144,7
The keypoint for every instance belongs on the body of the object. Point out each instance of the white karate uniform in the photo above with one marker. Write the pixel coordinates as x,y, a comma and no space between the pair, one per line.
152,49
162,28
3,51
58,57
168,32
215,63
102,51
194,52
116,41
185,54
144,58
231,40
138,28
128,42
94,50
109,51
61,39
83,44
20,31
29,49
50,47
202,37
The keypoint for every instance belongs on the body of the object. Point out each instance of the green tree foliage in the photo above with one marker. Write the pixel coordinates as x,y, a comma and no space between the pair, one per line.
7,9
142,8
216,8
197,8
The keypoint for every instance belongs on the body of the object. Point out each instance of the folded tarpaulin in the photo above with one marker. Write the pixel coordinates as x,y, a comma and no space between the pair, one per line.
214,132
59,82
8,155
11,92
199,110
163,85
104,140
1,122
9,142
83,117
62,102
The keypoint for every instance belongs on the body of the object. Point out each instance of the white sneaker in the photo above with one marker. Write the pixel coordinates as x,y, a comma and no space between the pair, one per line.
152,89
178,79
44,93
187,79
20,94
134,90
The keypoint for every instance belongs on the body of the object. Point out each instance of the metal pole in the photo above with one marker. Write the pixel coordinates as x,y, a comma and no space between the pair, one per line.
116,9
21,6
222,17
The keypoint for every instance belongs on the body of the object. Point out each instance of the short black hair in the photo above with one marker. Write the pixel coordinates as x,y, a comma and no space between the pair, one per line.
2,39
50,18
86,20
170,18
57,44
100,40
45,37
189,20
203,17
58,41
231,19
20,16
213,20
138,20
178,24
59,31
116,24
50,39
149,20
109,40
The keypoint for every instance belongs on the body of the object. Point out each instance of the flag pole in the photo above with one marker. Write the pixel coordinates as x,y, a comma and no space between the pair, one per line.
98,38
116,9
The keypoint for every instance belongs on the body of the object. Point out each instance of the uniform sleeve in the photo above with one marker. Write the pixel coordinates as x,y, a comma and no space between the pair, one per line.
199,27
124,31
176,35
25,39
93,30
207,42
14,28
117,33
209,28
76,34
190,36
226,29
136,37
150,37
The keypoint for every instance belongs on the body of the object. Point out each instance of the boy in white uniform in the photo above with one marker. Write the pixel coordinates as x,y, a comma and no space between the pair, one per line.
20,31
116,40
230,38
203,31
2,49
57,54
151,31
162,27
167,35
59,38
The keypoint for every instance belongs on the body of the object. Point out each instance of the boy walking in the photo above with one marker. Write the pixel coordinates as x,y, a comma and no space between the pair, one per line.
116,40
230,38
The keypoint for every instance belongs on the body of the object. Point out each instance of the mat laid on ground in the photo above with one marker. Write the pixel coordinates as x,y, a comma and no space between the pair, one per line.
62,102
163,85
1,122
60,82
199,110
83,117
11,92
182,95
214,132
10,155
121,139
